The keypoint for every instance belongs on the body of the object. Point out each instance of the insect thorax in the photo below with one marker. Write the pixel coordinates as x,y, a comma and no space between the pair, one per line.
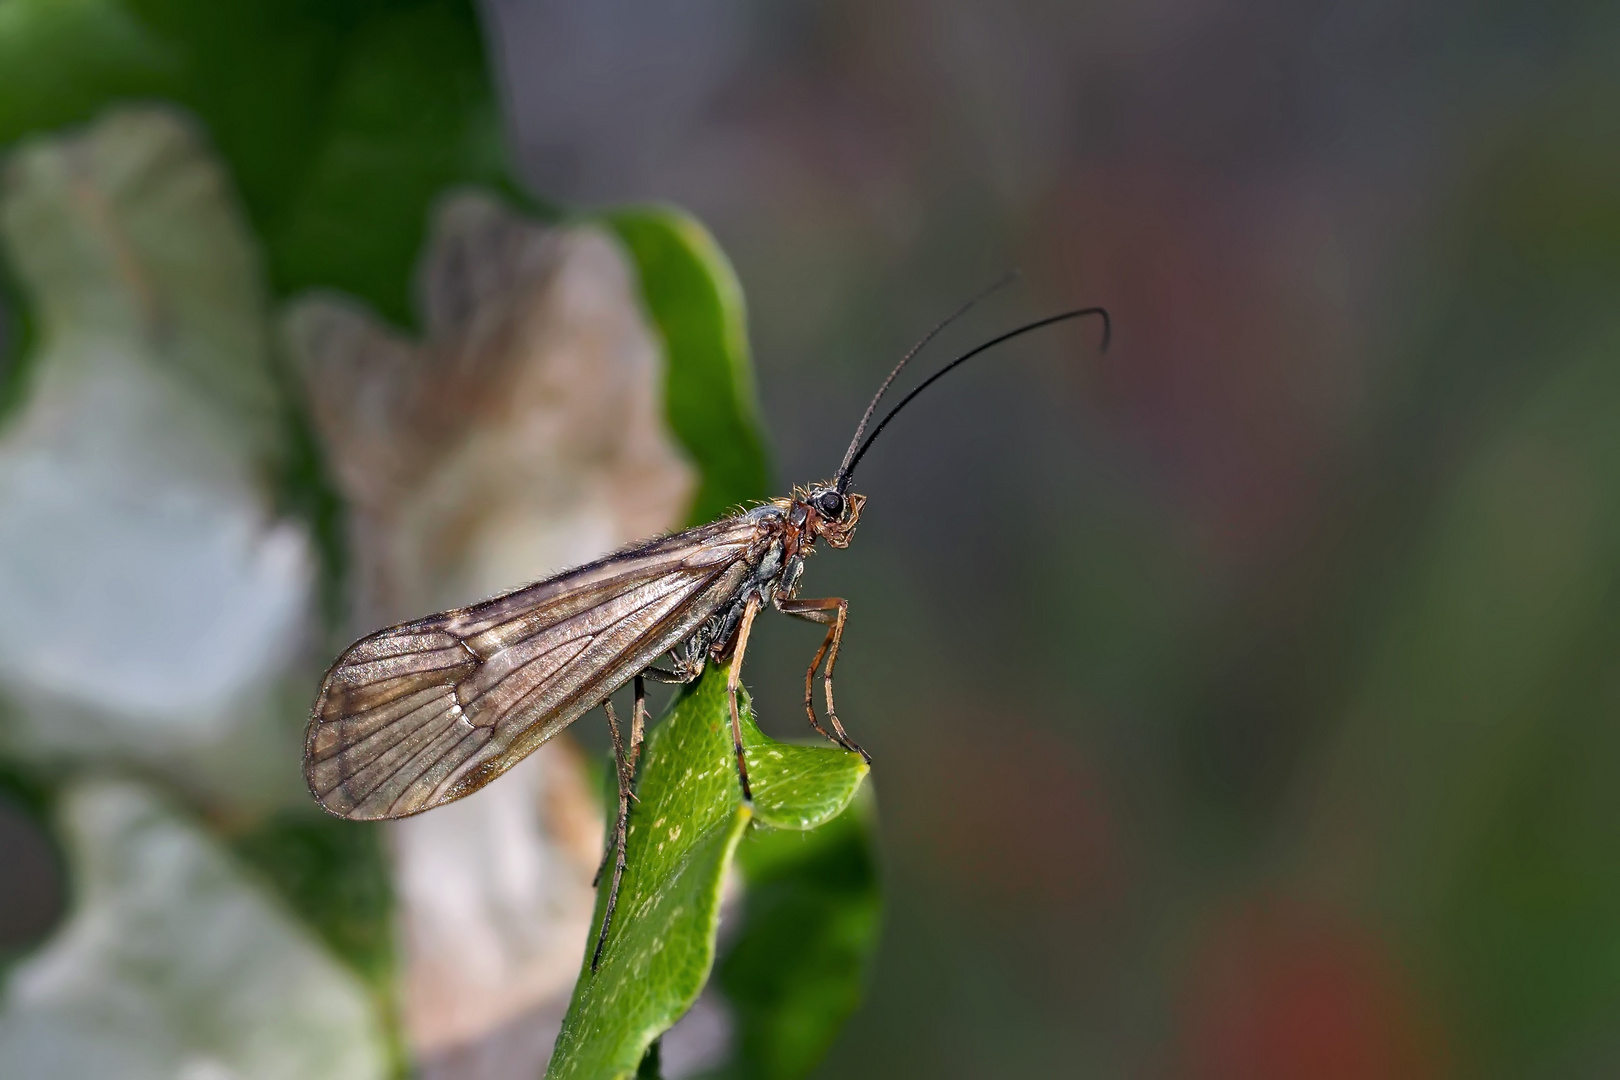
774,574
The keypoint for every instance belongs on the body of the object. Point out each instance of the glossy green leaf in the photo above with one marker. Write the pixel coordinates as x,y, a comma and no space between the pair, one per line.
683,834
693,297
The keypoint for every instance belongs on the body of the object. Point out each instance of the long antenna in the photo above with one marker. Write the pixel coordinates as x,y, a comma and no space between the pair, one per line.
852,459
1006,279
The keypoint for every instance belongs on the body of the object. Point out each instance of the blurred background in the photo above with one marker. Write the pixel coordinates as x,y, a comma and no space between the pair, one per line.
1243,702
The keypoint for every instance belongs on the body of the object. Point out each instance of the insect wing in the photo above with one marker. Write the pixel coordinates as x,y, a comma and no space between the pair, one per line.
428,711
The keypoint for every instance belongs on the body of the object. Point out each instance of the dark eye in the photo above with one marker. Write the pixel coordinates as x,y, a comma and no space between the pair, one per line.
830,503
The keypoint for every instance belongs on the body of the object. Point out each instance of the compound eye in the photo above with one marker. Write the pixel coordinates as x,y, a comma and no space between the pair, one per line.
831,504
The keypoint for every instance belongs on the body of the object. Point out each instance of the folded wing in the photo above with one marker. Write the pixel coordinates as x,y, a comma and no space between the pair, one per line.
423,713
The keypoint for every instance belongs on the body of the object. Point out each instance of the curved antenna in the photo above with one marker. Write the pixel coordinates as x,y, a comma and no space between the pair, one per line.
851,461
860,429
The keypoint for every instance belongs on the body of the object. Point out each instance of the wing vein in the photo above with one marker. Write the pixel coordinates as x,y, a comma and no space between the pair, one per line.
422,713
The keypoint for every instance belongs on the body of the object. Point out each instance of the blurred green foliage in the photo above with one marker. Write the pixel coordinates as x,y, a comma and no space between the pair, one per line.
334,875
341,120
1492,700
16,340
27,791
341,123
694,297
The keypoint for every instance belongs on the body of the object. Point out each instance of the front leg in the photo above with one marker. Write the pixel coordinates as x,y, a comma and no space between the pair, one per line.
829,612
733,684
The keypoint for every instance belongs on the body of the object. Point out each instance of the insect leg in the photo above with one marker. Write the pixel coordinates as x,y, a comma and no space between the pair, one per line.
683,668
618,756
830,612
733,683
638,726
625,764
824,617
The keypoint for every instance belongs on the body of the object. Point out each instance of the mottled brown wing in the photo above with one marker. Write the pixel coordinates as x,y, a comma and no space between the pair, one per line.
423,713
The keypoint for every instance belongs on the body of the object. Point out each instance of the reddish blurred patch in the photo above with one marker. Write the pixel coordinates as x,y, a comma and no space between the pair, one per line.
1011,814
1280,992
1235,358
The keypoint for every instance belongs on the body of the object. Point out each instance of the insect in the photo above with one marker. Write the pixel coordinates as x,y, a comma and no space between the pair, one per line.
420,714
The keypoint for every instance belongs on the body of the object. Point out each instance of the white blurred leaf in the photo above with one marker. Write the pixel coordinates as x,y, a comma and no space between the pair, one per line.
525,434
174,964
153,601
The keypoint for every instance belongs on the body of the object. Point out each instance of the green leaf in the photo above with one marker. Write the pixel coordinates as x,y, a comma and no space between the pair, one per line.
651,1064
693,297
683,833
62,60
810,924
409,115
